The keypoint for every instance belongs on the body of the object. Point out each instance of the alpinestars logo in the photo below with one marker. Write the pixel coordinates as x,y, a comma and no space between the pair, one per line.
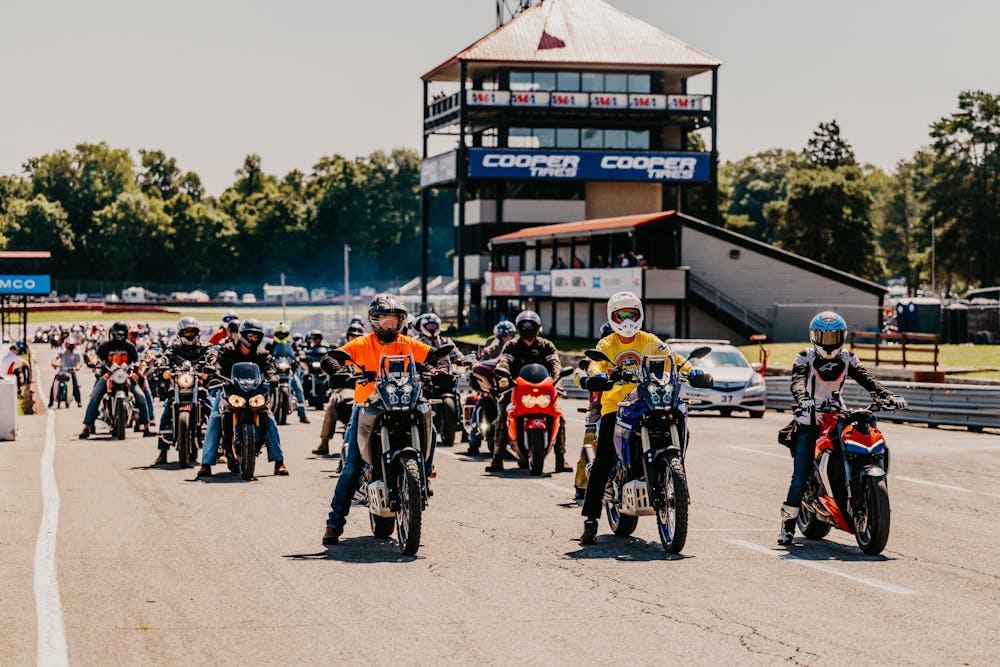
828,366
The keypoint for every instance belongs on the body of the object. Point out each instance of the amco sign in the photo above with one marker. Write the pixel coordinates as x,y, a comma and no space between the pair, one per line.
25,284
589,165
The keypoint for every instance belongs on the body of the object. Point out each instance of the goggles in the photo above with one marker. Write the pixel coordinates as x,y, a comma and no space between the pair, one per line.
630,314
230,318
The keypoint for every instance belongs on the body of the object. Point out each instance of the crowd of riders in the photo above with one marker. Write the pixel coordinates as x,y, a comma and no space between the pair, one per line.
516,350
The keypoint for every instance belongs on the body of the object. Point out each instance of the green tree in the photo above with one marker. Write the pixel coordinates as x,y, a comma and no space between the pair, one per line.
750,185
38,224
133,240
827,148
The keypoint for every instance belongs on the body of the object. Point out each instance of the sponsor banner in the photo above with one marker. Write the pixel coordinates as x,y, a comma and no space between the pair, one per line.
488,98
536,283
608,100
570,100
532,99
651,102
25,284
596,283
439,169
588,165
685,102
505,283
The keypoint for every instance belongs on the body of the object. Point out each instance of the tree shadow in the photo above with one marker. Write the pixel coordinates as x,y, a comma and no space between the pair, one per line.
365,549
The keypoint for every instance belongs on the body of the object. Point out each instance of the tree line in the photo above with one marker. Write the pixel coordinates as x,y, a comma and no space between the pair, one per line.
105,214
820,203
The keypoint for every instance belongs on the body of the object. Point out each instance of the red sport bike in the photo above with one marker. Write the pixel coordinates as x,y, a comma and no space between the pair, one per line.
848,488
533,417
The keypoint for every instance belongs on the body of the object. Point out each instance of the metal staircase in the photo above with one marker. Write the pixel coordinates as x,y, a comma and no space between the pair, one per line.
728,311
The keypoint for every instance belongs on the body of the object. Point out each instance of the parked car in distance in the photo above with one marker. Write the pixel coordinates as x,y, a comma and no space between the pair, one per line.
738,386
249,298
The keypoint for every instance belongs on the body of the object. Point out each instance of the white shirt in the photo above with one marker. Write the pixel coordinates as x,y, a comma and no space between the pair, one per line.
11,362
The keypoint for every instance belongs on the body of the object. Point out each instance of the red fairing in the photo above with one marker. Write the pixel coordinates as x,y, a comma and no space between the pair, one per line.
516,410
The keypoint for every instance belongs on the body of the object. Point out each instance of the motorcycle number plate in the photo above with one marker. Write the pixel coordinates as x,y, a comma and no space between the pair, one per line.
535,423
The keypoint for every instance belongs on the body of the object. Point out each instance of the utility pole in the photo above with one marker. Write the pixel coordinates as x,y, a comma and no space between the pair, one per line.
347,280
933,256
284,318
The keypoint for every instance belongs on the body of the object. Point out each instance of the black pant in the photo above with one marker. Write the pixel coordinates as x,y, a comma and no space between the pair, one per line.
604,460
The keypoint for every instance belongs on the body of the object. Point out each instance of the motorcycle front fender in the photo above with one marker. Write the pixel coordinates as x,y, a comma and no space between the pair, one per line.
873,471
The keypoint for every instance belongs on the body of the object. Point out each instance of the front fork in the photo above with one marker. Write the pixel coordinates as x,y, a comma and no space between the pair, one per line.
654,460
391,461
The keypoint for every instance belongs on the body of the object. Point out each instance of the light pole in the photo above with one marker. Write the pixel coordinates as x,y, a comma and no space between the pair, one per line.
933,256
347,280
284,317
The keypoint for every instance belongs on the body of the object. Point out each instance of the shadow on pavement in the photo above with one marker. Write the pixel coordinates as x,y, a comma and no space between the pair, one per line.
221,478
631,549
364,549
821,550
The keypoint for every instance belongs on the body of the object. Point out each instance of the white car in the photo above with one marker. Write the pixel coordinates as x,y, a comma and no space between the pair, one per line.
738,386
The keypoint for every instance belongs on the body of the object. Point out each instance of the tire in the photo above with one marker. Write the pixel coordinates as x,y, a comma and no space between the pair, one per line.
672,521
754,414
449,422
281,407
873,534
622,525
726,412
538,445
61,395
119,419
183,440
382,526
810,526
248,450
408,518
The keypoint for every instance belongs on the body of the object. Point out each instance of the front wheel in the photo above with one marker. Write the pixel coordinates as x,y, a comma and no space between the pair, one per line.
247,449
119,418
871,526
185,449
538,446
408,518
448,414
281,407
672,518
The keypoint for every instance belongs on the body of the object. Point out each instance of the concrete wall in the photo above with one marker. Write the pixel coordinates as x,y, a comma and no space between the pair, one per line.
704,325
659,318
609,200
540,211
775,289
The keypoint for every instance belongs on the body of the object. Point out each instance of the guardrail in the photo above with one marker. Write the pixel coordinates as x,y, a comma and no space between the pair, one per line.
972,406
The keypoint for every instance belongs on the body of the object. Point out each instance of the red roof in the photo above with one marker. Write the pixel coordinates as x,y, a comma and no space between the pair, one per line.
568,229
577,32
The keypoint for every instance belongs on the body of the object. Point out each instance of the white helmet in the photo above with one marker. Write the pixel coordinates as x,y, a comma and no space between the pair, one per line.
625,313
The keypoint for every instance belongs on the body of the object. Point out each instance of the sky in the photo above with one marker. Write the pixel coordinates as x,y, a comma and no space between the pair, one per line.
210,81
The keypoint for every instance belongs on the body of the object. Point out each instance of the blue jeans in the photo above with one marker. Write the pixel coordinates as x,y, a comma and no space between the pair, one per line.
805,447
165,420
300,398
350,476
98,392
213,435
149,399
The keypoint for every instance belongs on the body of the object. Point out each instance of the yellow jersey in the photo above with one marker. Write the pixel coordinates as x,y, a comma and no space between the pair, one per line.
625,355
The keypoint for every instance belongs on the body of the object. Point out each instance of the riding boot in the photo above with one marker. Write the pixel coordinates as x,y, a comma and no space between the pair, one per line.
161,459
324,447
789,513
496,465
302,415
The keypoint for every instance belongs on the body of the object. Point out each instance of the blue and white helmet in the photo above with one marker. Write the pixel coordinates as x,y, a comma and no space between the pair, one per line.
827,333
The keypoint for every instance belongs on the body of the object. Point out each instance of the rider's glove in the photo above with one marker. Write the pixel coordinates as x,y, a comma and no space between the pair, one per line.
599,382
370,376
805,404
897,401
695,372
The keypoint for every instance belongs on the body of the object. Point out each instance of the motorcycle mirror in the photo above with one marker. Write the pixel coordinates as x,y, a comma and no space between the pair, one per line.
565,372
699,352
702,381
596,355
584,365
340,356
439,353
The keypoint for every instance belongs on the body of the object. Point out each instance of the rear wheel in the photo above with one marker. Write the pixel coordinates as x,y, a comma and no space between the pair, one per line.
756,414
408,518
871,527
119,417
185,449
672,519
61,395
622,525
247,449
449,421
382,525
810,526
538,445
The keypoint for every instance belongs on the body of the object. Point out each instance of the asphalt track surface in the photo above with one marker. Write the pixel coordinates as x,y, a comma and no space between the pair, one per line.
155,567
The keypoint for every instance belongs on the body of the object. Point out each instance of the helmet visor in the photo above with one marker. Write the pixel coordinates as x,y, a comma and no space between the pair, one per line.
626,314
252,337
828,340
431,326
387,322
188,334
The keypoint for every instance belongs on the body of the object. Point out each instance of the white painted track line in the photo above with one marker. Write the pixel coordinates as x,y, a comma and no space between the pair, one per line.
874,583
48,608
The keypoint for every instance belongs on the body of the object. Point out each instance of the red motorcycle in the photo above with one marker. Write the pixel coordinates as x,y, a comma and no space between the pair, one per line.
533,417
847,488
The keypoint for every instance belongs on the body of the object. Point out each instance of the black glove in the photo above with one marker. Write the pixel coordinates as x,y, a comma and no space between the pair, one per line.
370,376
599,383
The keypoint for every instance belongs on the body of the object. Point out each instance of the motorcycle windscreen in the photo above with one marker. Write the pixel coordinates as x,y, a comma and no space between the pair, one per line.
283,350
246,375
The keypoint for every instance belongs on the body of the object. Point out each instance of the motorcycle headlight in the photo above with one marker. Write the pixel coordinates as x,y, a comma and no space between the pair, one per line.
237,401
119,376
529,401
284,366
185,381
257,401
315,365
543,401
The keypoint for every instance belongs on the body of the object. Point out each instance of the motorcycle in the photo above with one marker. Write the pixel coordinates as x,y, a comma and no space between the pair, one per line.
442,389
64,376
282,398
244,417
315,383
188,411
394,437
481,408
118,406
651,439
847,488
533,418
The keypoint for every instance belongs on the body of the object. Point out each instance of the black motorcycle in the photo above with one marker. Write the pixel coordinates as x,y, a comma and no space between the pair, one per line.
282,399
244,417
188,411
118,406
315,383
64,376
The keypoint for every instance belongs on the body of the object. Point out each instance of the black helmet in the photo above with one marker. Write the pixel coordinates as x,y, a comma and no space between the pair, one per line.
188,330
233,326
315,333
528,324
386,315
118,331
355,330
251,333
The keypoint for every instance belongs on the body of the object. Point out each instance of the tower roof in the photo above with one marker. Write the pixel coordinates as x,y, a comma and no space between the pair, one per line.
577,33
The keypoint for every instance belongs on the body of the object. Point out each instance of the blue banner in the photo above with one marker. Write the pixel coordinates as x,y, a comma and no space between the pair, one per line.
589,165
24,284
536,283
